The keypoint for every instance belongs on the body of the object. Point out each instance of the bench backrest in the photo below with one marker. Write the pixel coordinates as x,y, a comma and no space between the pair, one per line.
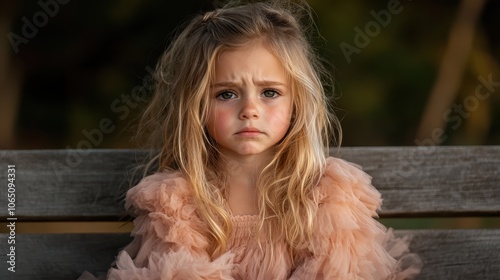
72,185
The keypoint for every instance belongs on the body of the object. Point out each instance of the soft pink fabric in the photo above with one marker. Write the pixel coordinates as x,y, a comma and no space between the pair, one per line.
348,243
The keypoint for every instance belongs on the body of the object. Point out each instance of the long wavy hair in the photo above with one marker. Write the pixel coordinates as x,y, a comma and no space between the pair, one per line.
175,120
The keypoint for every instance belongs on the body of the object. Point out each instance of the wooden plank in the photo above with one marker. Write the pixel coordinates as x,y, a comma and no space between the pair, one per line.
457,254
447,254
433,181
61,256
63,184
414,181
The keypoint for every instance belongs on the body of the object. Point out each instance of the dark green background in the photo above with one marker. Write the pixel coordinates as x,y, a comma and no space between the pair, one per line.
90,54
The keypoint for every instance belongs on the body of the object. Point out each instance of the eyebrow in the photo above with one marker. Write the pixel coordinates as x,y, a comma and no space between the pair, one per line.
259,83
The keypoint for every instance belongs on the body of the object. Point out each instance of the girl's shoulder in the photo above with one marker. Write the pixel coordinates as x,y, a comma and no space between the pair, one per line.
157,191
344,229
345,184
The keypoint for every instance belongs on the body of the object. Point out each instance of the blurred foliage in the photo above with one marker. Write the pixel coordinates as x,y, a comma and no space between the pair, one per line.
91,54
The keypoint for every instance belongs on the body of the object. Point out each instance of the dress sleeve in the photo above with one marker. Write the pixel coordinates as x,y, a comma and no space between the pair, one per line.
348,243
169,238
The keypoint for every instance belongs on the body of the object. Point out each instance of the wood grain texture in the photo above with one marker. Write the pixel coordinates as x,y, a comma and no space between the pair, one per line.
61,256
64,185
433,181
457,254
446,254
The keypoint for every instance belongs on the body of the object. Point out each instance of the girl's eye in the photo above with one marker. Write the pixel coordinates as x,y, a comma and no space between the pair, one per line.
225,95
270,93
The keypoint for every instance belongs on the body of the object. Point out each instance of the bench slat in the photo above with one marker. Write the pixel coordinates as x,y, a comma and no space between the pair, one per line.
433,181
469,254
457,254
64,185
60,256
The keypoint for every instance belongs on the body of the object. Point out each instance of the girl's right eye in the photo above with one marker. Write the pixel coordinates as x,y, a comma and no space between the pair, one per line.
225,95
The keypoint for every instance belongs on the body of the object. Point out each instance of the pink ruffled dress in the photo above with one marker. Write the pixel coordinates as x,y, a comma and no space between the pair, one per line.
171,240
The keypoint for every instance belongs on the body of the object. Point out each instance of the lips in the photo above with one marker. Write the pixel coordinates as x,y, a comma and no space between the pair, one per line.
249,131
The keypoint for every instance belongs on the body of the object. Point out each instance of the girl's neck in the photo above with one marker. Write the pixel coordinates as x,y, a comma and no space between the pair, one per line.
242,176
245,169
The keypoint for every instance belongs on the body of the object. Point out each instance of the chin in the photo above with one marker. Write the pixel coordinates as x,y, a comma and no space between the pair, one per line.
250,153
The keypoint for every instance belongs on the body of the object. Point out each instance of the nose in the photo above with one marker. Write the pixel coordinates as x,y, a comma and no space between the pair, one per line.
249,109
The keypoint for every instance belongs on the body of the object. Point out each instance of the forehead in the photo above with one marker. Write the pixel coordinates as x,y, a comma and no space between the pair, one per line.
254,59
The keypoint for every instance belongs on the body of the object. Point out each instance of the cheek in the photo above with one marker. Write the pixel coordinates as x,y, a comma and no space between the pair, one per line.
218,122
280,118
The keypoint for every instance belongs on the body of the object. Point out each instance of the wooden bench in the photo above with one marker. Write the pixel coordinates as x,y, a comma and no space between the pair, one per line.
62,185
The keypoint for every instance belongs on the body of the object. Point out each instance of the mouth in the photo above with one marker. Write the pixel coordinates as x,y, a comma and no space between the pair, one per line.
249,131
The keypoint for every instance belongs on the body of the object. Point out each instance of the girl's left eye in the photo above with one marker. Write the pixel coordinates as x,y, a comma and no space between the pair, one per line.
270,93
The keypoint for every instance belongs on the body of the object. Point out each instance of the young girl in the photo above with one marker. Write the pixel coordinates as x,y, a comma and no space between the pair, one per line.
244,188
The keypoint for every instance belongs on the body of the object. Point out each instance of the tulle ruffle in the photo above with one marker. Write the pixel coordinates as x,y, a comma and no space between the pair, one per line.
348,243
178,265
171,240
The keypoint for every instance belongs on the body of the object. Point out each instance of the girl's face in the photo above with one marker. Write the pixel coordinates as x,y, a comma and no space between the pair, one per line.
250,102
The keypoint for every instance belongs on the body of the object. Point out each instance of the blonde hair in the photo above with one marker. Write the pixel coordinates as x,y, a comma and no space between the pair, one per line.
175,121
